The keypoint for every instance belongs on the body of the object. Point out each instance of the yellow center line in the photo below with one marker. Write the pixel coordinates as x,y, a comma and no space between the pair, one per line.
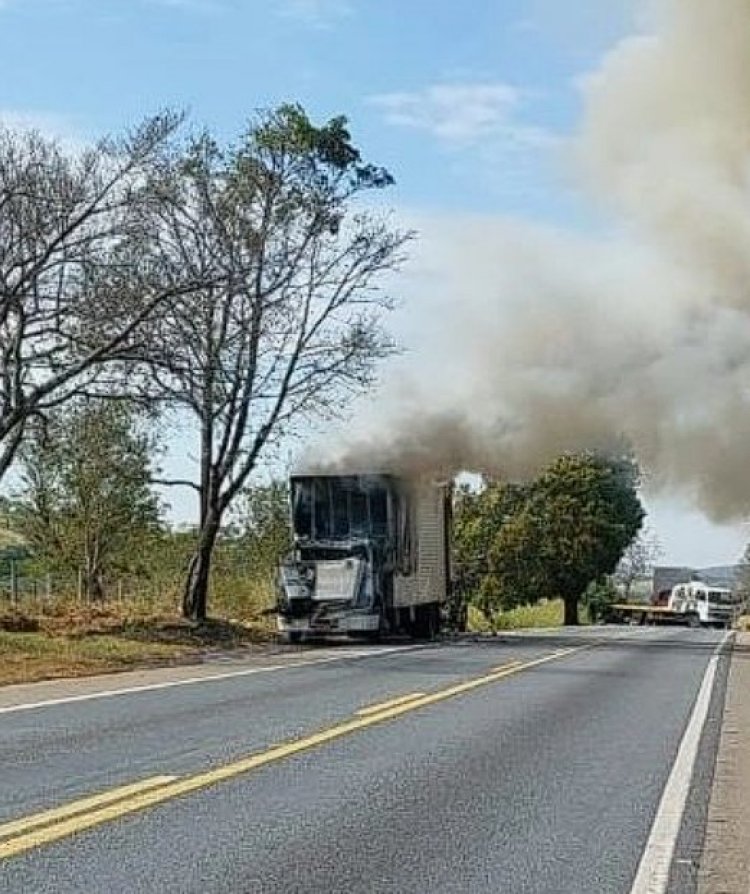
383,706
73,808
78,823
504,667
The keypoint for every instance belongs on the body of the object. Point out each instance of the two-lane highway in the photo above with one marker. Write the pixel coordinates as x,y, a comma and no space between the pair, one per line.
534,763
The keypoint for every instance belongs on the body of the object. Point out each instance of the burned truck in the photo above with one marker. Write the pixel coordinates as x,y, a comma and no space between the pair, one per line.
370,557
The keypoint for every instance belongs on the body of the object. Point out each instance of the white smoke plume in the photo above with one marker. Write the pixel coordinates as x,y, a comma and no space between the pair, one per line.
529,341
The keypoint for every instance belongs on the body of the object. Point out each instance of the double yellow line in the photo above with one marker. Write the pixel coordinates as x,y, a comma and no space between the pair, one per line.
21,835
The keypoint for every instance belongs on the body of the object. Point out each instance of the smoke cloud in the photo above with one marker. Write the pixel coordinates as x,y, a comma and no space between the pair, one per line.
528,341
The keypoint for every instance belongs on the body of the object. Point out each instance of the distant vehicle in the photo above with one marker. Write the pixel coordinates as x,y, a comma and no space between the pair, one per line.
370,556
694,603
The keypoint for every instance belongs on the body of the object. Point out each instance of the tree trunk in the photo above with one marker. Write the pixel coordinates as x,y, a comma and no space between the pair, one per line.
94,586
195,596
93,574
571,611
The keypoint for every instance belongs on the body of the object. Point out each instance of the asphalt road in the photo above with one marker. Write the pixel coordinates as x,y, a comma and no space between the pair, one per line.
528,764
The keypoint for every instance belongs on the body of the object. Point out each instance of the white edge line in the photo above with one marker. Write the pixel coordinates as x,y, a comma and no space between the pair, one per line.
209,678
654,869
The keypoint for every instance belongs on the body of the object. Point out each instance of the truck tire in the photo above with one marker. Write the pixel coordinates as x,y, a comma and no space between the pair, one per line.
293,637
436,619
418,627
427,622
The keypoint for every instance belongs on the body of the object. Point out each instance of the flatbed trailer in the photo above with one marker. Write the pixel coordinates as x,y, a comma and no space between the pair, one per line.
643,613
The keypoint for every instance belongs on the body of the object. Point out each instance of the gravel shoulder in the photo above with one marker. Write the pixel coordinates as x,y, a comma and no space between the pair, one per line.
725,867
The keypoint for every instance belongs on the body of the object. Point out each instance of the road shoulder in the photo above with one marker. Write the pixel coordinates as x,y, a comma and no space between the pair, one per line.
725,866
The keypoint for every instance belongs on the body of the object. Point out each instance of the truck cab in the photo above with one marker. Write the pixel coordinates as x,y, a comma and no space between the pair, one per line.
705,605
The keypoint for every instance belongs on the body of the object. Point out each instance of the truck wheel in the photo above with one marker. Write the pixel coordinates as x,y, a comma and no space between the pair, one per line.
418,628
435,619
427,622
293,637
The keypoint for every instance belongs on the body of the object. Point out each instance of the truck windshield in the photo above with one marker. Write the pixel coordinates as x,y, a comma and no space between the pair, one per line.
302,509
339,507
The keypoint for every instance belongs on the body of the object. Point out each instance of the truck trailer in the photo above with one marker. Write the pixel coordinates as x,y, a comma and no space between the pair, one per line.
370,556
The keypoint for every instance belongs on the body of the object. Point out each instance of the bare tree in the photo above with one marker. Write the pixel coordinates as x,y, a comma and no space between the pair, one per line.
74,288
638,560
292,329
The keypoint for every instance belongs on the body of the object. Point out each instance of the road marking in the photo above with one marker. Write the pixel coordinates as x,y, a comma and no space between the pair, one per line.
54,832
349,655
653,871
382,706
74,808
502,667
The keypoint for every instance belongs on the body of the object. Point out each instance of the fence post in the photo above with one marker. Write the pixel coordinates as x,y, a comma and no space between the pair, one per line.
13,582
80,585
48,587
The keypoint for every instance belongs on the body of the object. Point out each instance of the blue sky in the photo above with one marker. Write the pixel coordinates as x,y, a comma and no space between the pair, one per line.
448,100
466,103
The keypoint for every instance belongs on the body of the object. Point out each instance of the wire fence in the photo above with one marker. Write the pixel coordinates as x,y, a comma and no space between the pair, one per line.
26,591
237,594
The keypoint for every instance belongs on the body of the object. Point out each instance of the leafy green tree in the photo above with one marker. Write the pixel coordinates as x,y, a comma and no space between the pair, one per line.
264,530
575,522
87,500
550,538
599,596
478,516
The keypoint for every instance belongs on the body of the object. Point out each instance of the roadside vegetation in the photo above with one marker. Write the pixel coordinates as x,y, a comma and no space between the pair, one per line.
29,657
525,617
81,643
54,625
556,539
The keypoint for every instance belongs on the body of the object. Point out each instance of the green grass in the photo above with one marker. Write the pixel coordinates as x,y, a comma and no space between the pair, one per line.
547,614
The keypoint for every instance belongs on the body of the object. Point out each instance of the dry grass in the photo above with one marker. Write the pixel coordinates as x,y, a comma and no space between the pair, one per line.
242,598
65,638
28,657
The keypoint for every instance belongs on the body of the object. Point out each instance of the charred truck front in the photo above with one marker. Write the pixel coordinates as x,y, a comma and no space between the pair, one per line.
370,556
